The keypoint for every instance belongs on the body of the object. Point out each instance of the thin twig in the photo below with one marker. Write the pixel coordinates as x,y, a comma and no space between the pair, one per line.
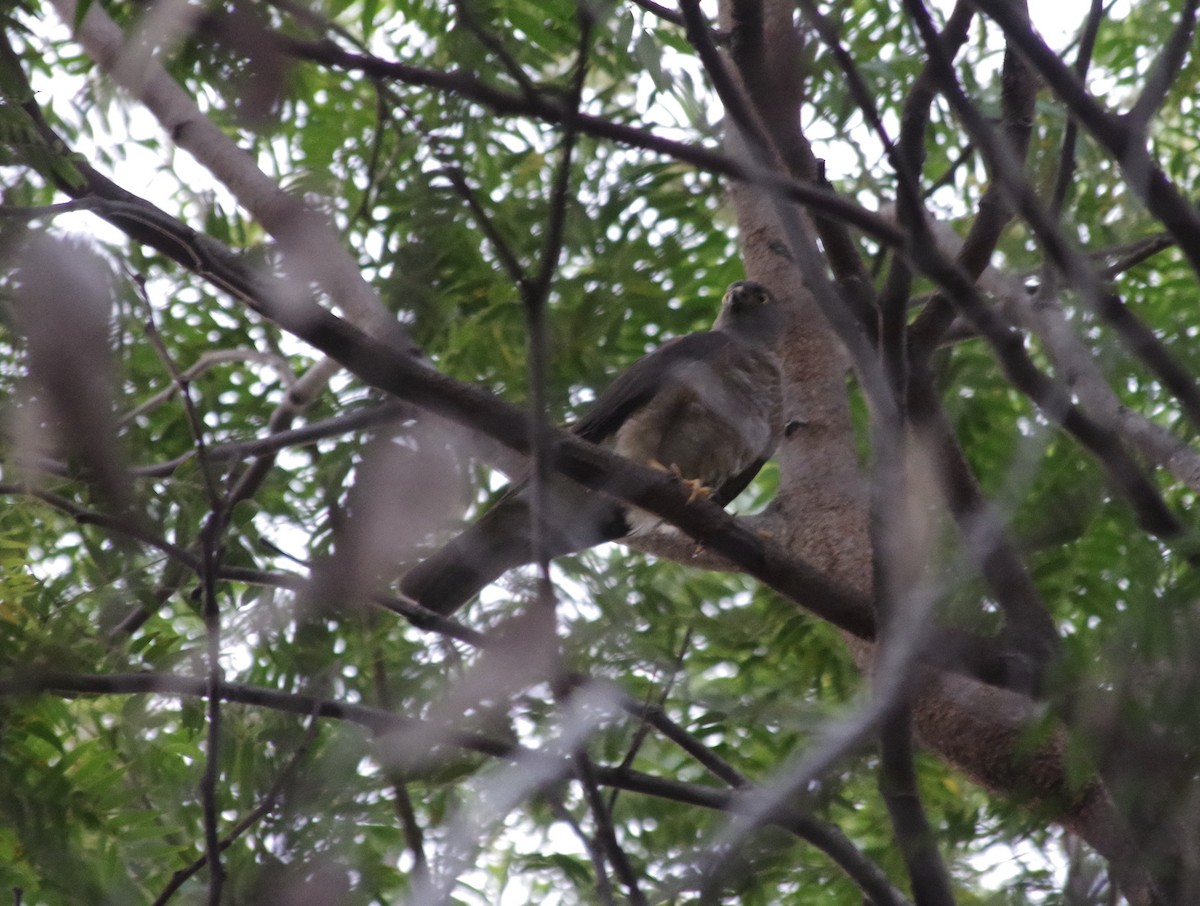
377,720
914,835
536,295
1018,96
467,17
604,891
1050,397
1134,254
33,212
585,773
662,12
965,153
643,730
208,359
657,717
1145,177
210,541
355,420
827,838
414,836
183,387
267,805
1164,71
1066,158
491,231
210,538
371,165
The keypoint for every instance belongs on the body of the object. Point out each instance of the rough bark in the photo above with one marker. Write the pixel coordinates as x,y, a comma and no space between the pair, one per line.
822,514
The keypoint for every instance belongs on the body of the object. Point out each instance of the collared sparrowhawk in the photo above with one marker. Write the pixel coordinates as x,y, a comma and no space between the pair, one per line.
708,406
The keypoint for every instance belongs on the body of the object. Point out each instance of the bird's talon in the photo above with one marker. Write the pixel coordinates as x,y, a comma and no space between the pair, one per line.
698,489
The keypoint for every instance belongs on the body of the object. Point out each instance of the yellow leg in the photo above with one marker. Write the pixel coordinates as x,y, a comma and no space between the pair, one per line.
699,489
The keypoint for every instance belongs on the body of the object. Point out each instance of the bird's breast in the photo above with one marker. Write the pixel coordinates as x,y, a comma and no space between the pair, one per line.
710,420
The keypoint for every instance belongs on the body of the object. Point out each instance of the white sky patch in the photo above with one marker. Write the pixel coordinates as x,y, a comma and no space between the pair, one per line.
1003,864
1059,23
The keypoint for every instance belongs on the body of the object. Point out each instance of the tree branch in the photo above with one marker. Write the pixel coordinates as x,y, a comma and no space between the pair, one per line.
306,237
761,150
1143,175
914,836
827,838
1133,333
585,773
552,110
1165,70
375,362
773,73
1050,397
662,12
268,804
536,295
869,877
1066,159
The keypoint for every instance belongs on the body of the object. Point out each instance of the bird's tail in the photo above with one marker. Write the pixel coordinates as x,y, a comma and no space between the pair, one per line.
449,578
500,541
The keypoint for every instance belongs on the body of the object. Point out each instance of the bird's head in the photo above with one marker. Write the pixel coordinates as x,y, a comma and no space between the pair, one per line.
750,310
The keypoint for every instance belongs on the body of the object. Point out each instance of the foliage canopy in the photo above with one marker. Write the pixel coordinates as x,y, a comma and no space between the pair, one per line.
176,461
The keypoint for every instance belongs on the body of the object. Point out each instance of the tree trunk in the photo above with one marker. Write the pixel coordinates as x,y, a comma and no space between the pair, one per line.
822,509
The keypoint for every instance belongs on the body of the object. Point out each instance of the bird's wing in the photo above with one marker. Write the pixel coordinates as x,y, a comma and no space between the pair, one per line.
639,384
738,483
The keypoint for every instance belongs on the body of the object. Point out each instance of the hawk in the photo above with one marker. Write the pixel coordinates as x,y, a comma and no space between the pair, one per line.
708,406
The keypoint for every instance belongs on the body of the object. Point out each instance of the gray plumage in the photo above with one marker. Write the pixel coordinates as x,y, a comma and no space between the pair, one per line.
708,405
